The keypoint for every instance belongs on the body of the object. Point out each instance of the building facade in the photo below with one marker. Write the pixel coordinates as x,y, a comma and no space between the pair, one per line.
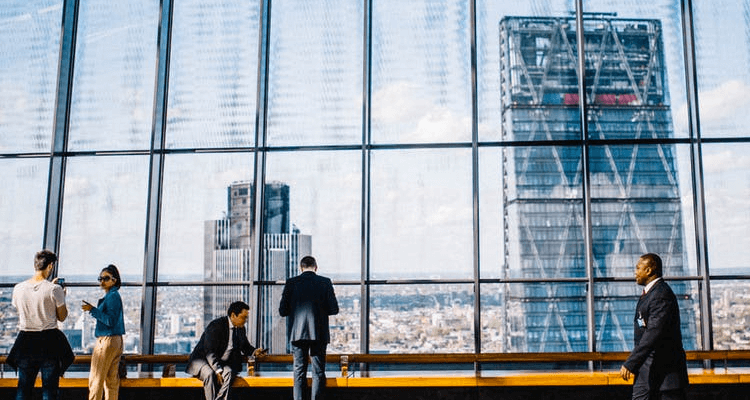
228,255
634,193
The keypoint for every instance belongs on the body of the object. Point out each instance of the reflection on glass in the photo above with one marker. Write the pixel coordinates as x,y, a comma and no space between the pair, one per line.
315,73
421,71
29,50
113,91
421,214
615,304
181,319
22,208
104,215
730,305
721,54
726,169
422,319
213,74
196,216
637,207
322,203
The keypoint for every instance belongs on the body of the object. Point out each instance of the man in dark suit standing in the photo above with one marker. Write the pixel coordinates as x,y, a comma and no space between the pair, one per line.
217,358
658,359
307,301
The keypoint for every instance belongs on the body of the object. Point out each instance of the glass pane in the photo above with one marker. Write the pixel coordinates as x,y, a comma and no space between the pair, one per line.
320,194
344,327
315,73
193,242
422,319
535,209
213,74
722,41
9,322
30,50
531,212
104,217
79,326
538,317
641,203
22,209
730,308
635,69
726,171
492,239
181,318
615,304
515,76
421,214
113,91
421,71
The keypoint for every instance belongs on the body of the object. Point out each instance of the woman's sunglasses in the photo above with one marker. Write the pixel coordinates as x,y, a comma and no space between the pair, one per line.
104,278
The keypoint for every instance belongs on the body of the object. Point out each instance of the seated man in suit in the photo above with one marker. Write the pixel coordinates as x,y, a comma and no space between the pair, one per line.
217,358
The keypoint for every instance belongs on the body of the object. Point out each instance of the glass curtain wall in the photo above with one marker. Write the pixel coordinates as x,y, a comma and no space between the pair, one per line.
464,182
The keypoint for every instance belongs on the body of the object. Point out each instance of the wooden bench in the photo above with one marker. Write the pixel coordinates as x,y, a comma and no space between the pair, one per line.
461,378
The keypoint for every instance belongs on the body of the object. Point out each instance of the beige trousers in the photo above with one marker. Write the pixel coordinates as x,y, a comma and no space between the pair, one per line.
104,363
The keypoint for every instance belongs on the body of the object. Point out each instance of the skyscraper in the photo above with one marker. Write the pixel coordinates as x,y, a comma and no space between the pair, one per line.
228,251
635,196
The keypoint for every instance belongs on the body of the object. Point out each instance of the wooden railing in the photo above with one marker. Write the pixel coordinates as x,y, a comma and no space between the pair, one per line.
345,360
601,369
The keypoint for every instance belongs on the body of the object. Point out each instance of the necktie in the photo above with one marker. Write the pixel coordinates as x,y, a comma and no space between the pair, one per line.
236,339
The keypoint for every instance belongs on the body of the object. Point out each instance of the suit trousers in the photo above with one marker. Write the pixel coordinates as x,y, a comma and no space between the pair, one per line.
105,361
212,389
317,352
642,389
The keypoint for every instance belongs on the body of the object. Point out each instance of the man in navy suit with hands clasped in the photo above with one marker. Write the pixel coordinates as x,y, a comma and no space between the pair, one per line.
307,301
658,360
217,358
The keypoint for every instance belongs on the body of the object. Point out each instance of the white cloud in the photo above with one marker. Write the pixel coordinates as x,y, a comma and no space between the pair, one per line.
727,160
406,109
726,103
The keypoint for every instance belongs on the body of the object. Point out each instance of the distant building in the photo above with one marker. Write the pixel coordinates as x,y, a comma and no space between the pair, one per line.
228,256
635,197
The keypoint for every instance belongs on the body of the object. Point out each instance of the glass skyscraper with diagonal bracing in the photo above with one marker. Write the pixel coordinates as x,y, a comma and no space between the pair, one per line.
633,188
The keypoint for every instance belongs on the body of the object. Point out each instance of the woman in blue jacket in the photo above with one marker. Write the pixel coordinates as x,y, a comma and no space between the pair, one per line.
110,326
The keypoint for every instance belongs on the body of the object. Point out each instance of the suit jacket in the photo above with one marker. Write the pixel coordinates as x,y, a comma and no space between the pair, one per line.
307,301
658,336
212,345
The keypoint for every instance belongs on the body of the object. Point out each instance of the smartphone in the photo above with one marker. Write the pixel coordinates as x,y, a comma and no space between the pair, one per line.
61,282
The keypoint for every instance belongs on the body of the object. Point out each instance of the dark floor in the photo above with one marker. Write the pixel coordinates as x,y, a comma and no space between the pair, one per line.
696,392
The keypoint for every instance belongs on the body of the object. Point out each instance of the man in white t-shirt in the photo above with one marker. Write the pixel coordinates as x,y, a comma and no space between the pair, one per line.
40,345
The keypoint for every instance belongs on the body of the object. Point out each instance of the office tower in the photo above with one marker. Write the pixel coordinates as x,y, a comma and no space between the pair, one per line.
635,197
228,251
